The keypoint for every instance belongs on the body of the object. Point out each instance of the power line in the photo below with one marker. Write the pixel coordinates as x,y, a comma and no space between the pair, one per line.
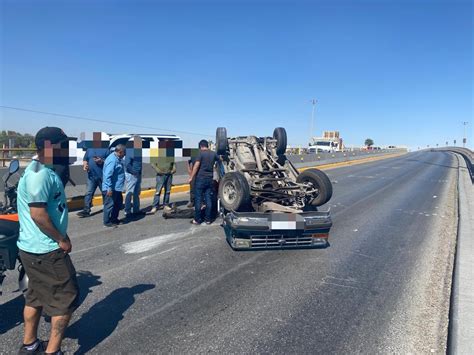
102,121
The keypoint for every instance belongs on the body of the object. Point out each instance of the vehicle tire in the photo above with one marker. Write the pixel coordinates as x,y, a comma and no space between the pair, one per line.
319,180
221,141
234,191
280,135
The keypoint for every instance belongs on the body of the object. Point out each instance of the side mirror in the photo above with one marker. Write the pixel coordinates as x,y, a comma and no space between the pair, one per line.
14,166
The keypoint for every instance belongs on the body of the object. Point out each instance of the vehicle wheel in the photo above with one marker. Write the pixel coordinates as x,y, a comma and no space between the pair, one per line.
319,180
221,140
280,135
234,191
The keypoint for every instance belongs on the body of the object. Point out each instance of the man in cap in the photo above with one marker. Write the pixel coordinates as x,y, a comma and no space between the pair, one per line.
44,243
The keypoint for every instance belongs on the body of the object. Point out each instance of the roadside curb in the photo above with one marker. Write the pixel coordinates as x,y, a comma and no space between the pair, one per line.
461,317
77,203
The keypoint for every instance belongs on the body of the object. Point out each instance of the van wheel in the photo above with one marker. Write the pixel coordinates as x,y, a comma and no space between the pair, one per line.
234,191
319,180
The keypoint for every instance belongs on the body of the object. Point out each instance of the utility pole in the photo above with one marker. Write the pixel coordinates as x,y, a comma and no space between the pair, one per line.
313,102
464,140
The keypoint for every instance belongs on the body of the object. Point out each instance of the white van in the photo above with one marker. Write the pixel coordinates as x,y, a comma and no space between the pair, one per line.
148,141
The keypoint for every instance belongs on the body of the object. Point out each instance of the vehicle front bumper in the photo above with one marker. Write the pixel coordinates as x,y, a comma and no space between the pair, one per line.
253,230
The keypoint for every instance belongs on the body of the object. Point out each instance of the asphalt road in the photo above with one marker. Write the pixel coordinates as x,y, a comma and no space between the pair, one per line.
165,286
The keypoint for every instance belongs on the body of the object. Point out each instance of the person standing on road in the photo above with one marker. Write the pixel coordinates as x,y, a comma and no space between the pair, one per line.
191,184
165,169
133,177
93,164
44,243
112,186
203,171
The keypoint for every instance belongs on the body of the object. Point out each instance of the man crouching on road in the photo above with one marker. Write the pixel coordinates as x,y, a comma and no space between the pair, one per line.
44,244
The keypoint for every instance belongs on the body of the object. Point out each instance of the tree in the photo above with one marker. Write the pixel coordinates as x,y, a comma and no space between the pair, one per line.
21,140
369,142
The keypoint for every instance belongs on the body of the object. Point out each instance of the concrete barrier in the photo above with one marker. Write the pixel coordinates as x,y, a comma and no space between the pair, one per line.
461,315
76,193
466,153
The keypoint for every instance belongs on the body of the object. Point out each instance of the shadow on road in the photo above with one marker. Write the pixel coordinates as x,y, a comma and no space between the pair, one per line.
12,311
11,314
100,321
86,280
96,213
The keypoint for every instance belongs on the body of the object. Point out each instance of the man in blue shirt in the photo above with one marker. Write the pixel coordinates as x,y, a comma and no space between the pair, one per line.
44,243
133,177
93,164
112,185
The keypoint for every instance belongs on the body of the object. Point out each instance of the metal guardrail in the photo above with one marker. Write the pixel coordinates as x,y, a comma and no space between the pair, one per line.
5,155
466,153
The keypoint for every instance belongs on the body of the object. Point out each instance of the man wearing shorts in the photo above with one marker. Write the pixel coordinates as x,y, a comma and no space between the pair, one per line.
44,244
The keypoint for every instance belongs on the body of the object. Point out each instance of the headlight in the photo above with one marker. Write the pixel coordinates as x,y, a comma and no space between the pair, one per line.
250,221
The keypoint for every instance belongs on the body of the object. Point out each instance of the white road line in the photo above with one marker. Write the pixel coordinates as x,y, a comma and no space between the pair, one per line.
156,254
142,246
93,247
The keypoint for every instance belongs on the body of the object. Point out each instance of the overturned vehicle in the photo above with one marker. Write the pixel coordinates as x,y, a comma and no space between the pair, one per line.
263,199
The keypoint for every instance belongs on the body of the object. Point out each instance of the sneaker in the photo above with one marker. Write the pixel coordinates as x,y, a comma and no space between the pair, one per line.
208,223
59,352
195,222
39,350
153,210
83,213
110,225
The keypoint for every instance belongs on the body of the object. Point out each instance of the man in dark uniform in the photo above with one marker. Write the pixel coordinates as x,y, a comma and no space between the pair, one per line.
203,171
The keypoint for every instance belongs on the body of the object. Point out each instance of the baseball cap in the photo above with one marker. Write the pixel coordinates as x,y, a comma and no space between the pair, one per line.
53,134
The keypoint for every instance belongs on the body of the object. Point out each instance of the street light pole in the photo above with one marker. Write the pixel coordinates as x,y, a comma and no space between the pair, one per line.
313,102
464,137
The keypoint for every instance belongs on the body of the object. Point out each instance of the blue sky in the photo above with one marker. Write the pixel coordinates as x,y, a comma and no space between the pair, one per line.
399,72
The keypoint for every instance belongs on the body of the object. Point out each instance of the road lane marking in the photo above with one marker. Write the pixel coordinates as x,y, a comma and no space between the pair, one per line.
142,246
156,254
339,285
93,247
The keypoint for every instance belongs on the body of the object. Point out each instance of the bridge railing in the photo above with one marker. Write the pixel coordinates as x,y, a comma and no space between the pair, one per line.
18,153
466,153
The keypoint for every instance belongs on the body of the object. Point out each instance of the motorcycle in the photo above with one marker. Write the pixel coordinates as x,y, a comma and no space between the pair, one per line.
9,232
